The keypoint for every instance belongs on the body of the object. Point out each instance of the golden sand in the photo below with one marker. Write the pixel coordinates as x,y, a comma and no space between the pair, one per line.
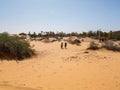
74,68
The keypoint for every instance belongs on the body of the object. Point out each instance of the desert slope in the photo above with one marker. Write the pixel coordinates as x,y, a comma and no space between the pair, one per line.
74,68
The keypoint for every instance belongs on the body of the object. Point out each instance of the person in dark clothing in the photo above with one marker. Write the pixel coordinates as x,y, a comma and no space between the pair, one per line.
65,44
61,45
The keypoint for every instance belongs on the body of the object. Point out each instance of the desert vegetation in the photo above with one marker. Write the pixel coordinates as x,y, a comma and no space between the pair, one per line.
12,47
75,41
107,45
93,46
111,46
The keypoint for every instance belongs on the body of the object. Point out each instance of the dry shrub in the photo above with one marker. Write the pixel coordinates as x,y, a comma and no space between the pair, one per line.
111,46
108,45
93,46
76,41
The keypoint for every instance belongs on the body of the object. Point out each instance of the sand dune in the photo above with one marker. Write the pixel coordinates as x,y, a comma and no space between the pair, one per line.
62,69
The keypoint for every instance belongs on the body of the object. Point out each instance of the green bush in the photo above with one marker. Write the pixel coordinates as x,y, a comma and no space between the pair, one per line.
93,46
12,47
111,46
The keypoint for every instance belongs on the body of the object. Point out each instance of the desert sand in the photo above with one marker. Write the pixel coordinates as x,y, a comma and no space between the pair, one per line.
74,68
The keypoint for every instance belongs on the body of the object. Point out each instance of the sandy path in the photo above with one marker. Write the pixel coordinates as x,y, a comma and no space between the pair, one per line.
67,69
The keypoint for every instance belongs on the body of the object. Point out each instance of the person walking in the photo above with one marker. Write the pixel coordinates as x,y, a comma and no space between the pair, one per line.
61,45
65,45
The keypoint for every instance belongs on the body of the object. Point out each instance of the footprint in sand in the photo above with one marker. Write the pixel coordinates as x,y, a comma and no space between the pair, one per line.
70,69
23,84
39,76
53,62
117,84
103,84
0,70
5,82
116,77
41,88
85,87
72,58
54,72
61,66
89,61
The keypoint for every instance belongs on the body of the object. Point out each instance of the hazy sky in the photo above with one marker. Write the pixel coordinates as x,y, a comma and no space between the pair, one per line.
59,15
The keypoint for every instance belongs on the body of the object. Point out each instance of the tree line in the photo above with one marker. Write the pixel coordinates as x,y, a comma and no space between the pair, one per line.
93,34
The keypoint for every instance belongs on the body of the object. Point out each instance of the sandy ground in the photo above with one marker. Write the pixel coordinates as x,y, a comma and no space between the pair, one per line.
63,69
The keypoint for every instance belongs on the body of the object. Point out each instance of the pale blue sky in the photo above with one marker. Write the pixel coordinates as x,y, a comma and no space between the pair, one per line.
59,15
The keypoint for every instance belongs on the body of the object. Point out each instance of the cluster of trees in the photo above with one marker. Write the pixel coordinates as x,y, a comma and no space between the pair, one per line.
93,34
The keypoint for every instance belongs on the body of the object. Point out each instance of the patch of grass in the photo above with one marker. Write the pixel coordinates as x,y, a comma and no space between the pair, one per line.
93,46
12,47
